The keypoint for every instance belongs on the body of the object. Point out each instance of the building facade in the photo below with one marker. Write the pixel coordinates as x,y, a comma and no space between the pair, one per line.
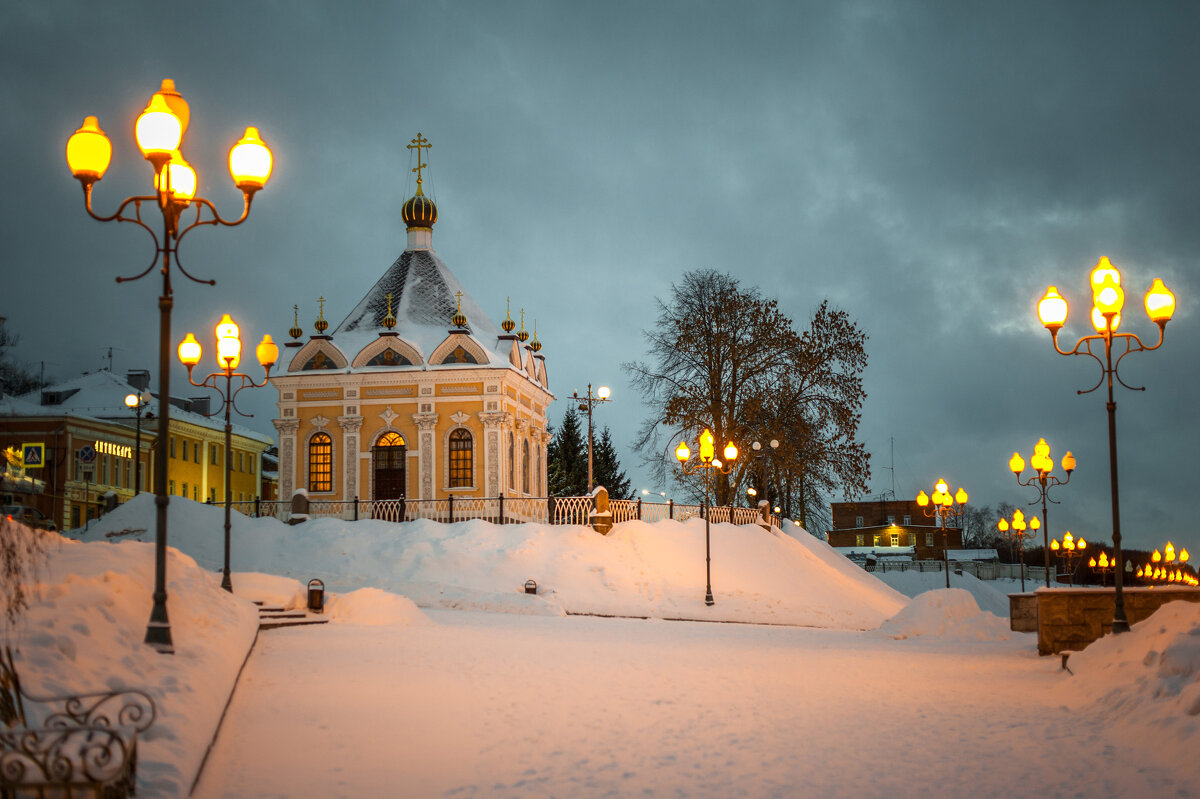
892,523
93,447
417,394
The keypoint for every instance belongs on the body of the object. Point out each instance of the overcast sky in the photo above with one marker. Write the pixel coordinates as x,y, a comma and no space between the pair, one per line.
929,167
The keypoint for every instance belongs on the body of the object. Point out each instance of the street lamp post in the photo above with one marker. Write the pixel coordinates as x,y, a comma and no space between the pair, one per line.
1016,530
159,131
939,507
706,461
1107,300
585,404
761,456
1103,565
137,403
1042,464
229,355
1070,548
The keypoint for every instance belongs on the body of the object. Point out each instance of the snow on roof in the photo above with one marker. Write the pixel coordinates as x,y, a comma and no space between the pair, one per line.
424,298
972,554
100,396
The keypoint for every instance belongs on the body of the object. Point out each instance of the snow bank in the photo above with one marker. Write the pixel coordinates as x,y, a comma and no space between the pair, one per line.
1147,681
639,569
374,607
947,613
990,595
84,631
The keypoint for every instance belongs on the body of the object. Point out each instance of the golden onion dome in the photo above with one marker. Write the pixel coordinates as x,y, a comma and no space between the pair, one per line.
296,331
508,324
419,211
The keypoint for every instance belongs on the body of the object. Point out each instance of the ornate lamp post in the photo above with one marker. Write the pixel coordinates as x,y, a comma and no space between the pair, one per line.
706,461
1107,300
939,507
1103,565
137,403
585,404
1042,464
229,355
1070,548
1016,530
159,131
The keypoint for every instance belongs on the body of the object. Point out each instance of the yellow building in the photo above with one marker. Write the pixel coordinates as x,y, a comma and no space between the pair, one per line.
417,394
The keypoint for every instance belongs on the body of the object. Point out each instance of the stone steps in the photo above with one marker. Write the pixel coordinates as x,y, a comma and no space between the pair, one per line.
271,617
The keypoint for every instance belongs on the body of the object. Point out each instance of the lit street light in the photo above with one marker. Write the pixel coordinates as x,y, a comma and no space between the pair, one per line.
1042,464
706,461
137,403
229,355
1016,530
159,132
585,404
1107,300
939,507
1070,548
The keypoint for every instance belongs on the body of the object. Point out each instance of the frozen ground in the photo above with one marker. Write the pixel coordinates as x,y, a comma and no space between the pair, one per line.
875,695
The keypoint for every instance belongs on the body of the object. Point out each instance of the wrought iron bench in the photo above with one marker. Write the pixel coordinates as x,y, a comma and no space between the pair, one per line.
81,745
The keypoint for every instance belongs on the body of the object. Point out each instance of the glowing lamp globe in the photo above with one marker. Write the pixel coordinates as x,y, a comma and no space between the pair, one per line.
158,130
227,328
961,496
1003,525
178,179
603,392
229,352
682,453
1016,463
922,499
250,161
1160,302
941,486
731,452
1068,462
1052,309
131,400
89,151
189,351
267,351
708,447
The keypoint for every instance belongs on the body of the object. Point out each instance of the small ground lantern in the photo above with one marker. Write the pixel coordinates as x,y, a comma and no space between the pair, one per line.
316,595
530,587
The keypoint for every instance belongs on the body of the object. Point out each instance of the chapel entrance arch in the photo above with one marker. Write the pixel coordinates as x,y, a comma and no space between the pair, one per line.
388,458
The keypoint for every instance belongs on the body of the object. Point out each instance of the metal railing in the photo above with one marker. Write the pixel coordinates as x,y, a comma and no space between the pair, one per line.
984,570
500,510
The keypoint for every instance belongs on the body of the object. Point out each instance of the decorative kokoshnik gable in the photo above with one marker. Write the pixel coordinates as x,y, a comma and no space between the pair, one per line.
417,394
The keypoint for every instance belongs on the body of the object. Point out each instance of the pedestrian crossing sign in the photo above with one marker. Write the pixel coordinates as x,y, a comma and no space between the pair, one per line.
34,455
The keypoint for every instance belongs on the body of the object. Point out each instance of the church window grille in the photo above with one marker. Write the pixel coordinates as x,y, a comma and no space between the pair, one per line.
320,462
460,458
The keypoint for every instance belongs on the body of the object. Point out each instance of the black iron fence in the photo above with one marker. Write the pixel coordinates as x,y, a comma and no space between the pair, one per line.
500,510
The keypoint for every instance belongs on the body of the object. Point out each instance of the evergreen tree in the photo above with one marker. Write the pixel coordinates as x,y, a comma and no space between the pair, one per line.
606,467
566,458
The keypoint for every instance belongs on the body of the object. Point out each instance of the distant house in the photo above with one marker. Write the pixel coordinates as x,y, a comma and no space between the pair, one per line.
886,526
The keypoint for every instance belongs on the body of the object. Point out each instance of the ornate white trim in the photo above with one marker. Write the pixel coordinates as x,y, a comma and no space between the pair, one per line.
388,416
459,418
382,343
319,421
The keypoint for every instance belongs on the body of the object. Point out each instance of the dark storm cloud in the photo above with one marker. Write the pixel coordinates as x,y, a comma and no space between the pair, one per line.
930,167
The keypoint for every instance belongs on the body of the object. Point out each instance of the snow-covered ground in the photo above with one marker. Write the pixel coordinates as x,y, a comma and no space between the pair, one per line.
842,687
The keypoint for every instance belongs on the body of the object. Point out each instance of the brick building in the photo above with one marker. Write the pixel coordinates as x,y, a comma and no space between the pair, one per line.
892,524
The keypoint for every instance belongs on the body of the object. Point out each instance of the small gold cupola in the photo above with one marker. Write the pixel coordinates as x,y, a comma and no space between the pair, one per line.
459,320
508,324
321,325
296,332
523,334
389,321
535,345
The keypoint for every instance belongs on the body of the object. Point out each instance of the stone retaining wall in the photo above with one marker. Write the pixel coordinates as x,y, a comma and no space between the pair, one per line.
1068,619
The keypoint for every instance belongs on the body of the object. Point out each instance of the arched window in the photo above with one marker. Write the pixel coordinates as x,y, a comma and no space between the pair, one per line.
460,458
537,477
320,463
512,463
525,466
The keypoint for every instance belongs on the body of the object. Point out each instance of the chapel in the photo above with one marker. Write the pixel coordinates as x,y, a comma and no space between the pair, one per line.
417,394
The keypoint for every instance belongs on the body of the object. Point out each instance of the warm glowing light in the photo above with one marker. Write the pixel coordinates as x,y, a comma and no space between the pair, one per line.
941,487
752,491
189,351
961,496
1019,525
603,392
731,452
1109,297
1041,448
1104,560
267,351
1156,557
229,352
131,400
1081,544
1035,524
1019,514
1068,463
1052,309
89,151
1139,571
1169,554
922,499
1016,463
1092,562
1054,545
1183,556
158,130
682,453
227,328
1160,302
1099,322
250,161
1003,525
178,179
716,463
1104,271
708,447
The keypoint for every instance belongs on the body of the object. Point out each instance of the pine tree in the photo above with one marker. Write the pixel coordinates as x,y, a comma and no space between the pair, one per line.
566,458
606,467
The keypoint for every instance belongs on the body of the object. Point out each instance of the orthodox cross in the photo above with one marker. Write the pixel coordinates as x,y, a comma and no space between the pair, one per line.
418,144
459,295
